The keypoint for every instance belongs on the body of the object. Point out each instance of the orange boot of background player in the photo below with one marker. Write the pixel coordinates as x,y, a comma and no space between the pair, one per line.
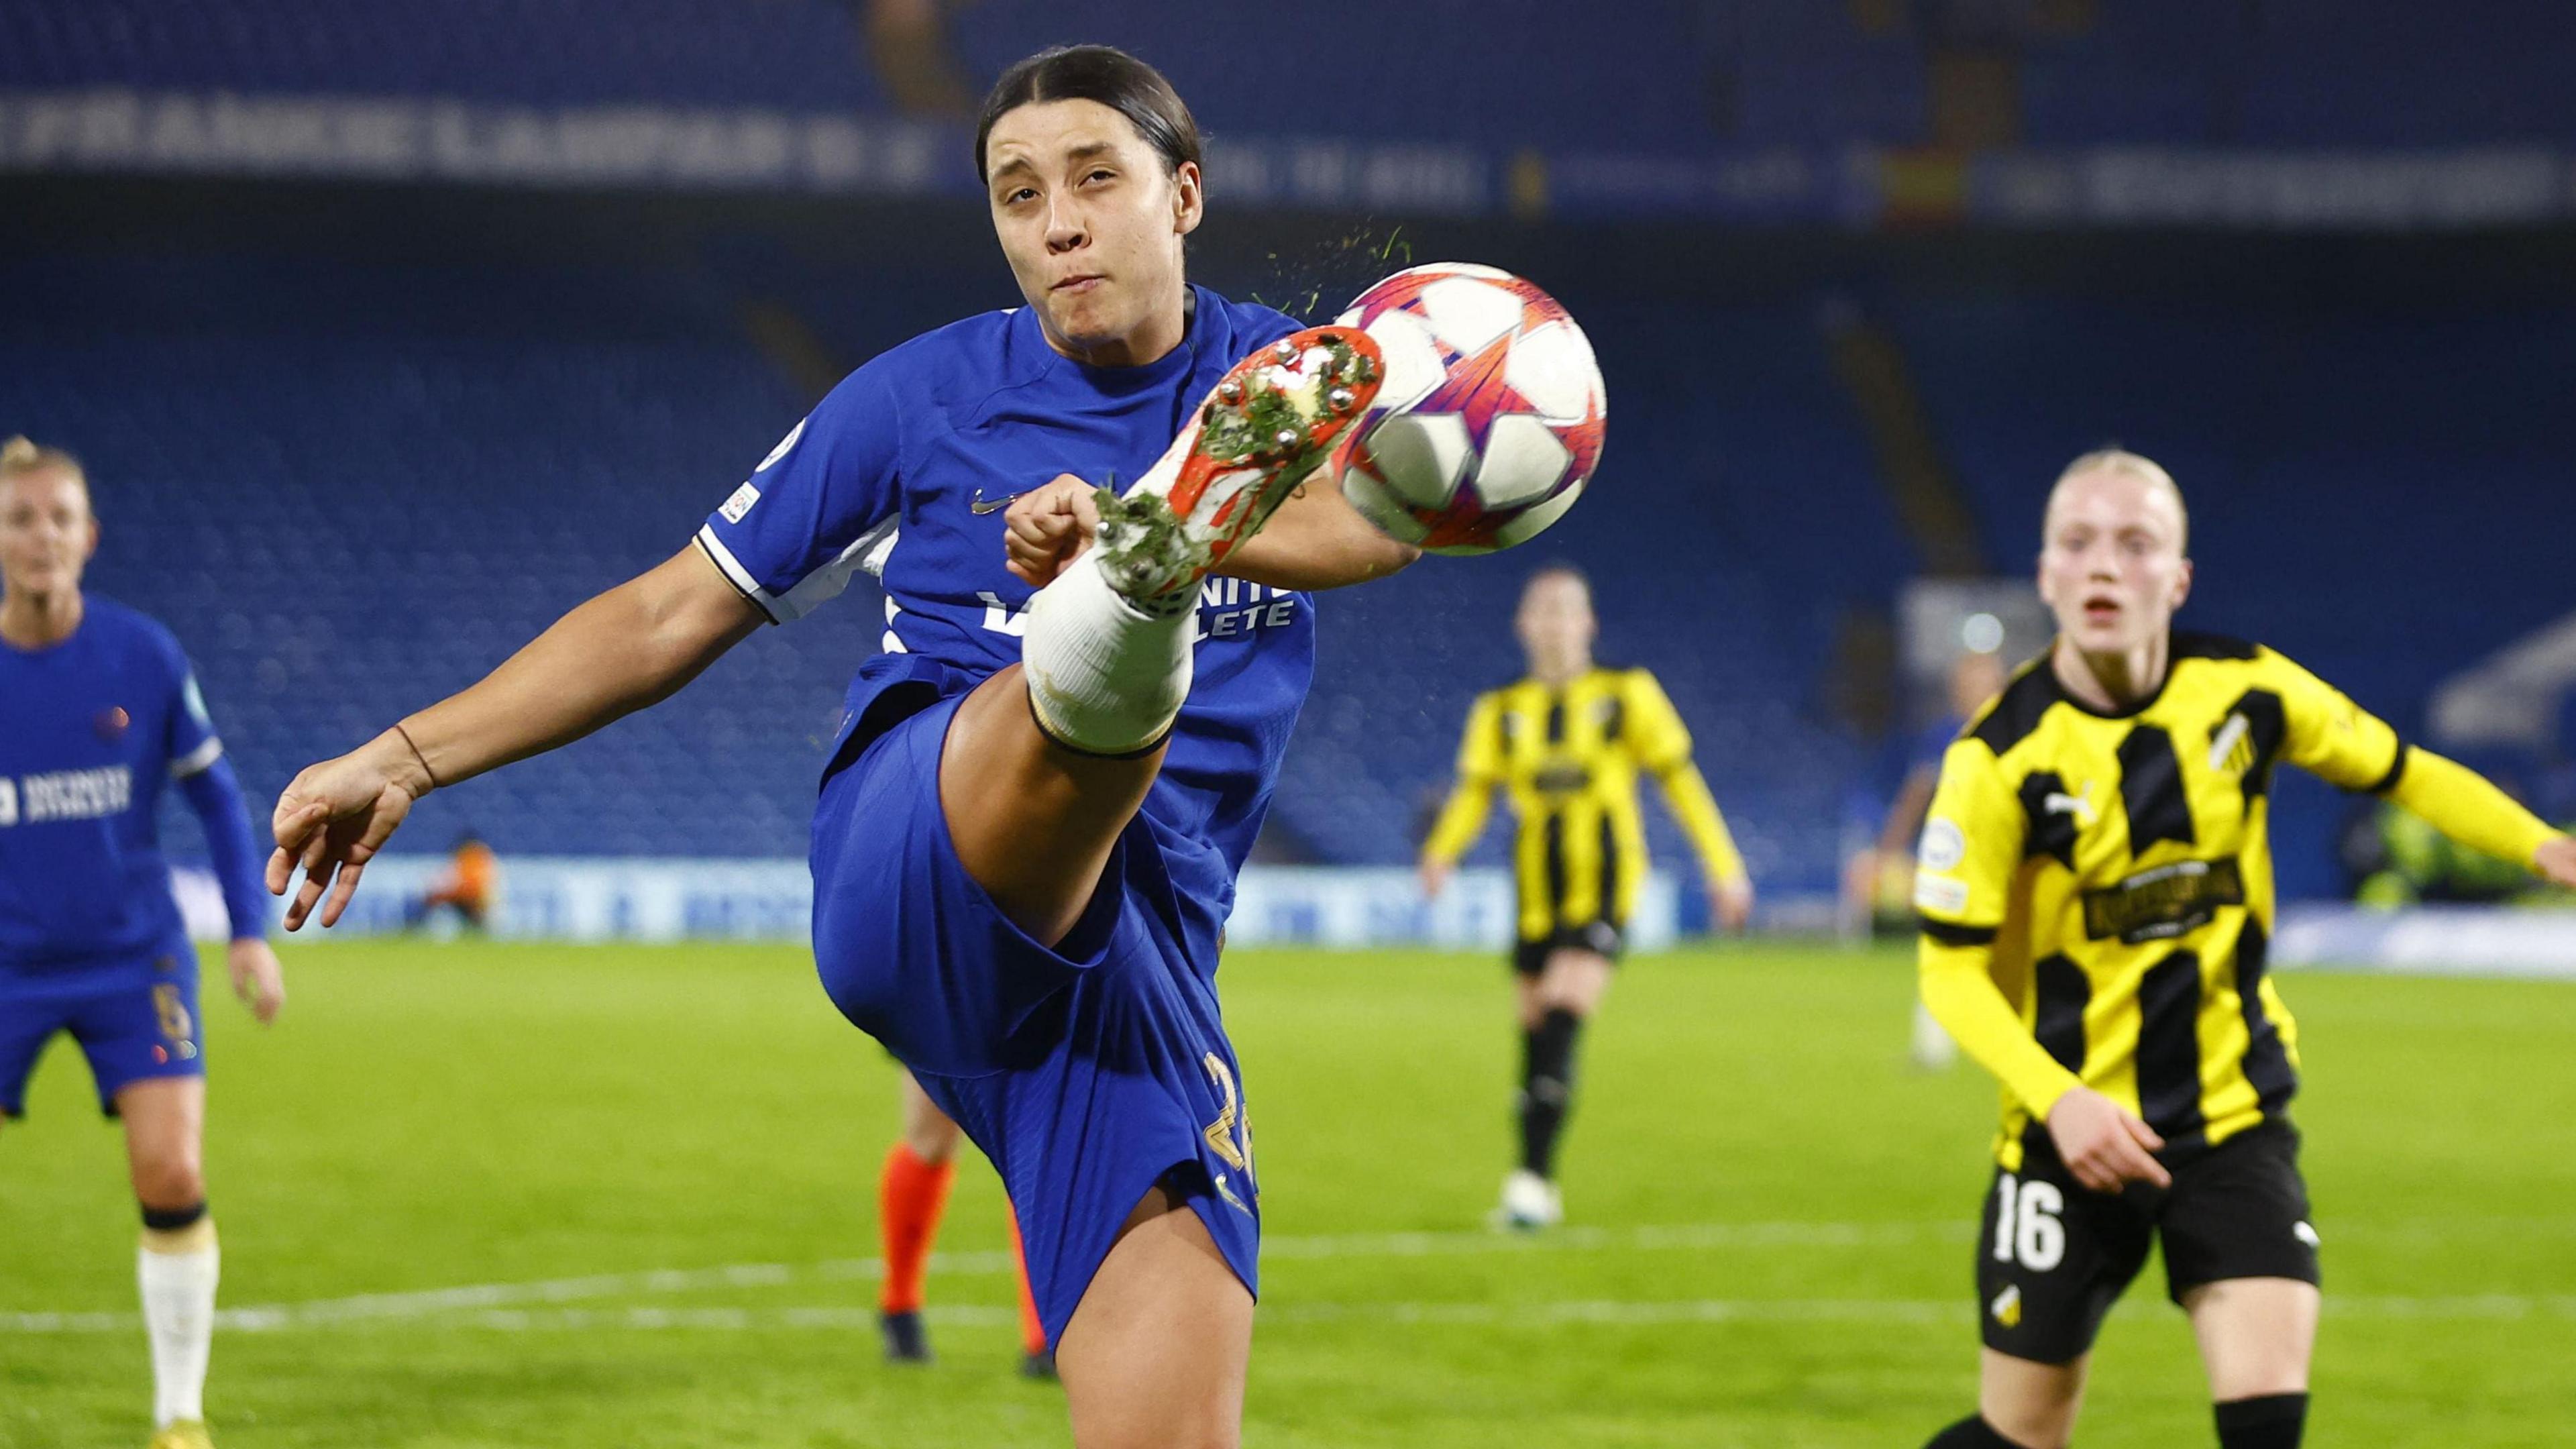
912,1196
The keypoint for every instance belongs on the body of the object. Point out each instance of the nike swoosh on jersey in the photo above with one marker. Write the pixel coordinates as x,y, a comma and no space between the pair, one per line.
980,504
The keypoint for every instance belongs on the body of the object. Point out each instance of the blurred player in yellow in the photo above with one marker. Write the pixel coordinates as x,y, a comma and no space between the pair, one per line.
2095,886
1568,743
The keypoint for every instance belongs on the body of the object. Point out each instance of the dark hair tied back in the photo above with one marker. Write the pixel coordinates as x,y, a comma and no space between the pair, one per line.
1101,73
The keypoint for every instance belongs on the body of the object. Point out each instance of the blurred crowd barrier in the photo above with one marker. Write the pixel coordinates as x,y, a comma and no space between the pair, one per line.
659,899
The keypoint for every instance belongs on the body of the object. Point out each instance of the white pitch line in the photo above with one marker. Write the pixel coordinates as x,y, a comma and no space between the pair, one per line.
489,1300
669,1281
1648,1239
2493,1307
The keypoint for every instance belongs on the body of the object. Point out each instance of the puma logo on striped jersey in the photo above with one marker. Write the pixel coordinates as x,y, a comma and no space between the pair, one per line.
2079,806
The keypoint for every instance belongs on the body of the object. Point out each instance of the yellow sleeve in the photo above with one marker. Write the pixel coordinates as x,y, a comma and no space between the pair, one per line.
1657,738
1971,849
1661,745
1686,794
2346,745
2464,805
2329,736
1480,769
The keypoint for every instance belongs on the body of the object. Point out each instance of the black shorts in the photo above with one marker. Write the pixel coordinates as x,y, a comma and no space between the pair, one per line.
2054,1256
1603,937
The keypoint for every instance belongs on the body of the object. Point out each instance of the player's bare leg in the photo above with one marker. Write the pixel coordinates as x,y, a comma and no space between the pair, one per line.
2033,1405
1154,1356
2256,1337
1033,820
927,1132
178,1265
165,1121
1575,981
1046,762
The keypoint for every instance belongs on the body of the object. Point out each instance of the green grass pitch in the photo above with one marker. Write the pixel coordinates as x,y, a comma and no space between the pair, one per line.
650,1173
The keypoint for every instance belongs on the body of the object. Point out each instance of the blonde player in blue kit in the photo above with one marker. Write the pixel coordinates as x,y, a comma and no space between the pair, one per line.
1030,821
98,709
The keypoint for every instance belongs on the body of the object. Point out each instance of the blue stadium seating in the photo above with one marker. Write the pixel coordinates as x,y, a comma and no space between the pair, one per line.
1805,74
794,54
1407,80
352,489
2157,72
2334,73
352,493
1669,77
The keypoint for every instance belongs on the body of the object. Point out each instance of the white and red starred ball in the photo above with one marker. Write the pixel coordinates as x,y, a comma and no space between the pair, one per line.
1490,420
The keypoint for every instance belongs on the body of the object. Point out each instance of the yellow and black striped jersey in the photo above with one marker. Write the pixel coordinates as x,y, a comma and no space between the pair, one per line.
1569,757
2111,877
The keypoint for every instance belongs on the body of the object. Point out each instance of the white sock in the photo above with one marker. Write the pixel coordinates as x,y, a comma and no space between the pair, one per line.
1104,676
177,1272
1933,1048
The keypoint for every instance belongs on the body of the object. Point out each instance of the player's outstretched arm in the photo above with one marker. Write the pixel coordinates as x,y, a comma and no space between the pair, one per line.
215,795
2556,861
2467,807
2345,745
1317,541
630,647
1730,885
1462,818
1314,540
1662,747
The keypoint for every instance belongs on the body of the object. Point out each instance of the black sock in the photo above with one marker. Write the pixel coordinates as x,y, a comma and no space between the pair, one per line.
1547,1088
171,1220
2274,1421
1972,1432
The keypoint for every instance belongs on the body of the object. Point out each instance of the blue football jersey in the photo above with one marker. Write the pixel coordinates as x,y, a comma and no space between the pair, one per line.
905,469
90,730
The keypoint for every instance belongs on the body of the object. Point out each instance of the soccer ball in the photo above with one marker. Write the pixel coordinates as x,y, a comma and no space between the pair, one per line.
1490,418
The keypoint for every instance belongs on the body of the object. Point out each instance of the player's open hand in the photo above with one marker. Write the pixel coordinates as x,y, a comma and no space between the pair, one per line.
1048,527
1435,877
257,978
2556,861
1731,899
333,819
2103,1143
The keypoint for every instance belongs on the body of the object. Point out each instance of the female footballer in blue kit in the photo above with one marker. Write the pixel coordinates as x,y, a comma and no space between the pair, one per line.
1030,822
98,709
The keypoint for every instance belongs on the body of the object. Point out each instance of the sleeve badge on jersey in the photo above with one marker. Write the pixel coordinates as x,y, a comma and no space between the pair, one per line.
1944,845
741,501
1940,894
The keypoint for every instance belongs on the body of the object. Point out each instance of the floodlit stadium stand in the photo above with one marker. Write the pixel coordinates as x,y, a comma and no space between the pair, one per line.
2287,73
